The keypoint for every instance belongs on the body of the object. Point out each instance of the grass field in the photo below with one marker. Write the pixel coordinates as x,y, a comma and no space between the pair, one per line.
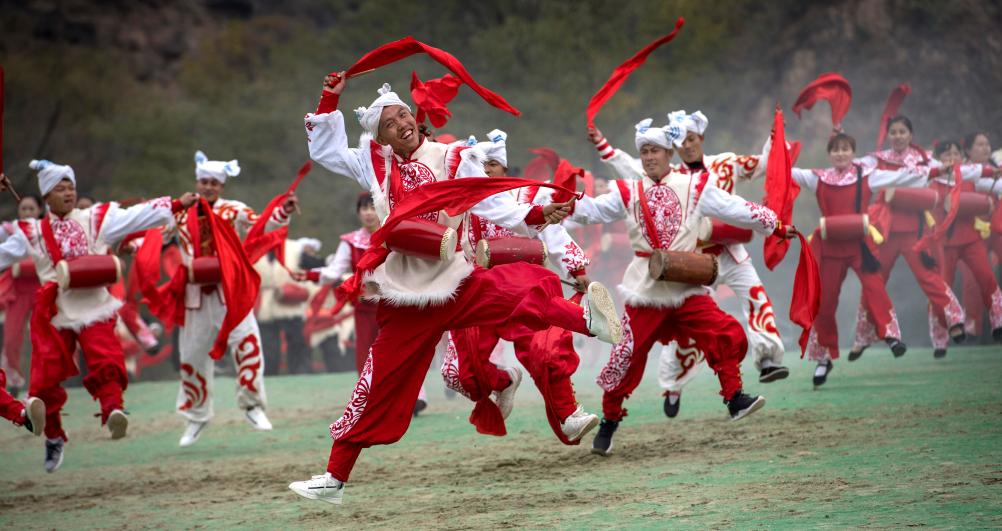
886,443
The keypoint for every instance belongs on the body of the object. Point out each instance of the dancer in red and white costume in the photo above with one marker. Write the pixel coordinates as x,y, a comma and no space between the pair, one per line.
30,414
843,191
963,242
667,210
552,375
205,308
902,230
421,299
677,366
24,287
65,317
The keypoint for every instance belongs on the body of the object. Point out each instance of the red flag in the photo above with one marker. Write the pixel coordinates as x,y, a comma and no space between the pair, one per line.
258,243
623,71
454,196
392,52
894,102
433,97
831,87
780,190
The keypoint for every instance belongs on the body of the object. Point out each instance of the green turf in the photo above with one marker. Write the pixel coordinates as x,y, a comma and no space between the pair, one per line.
886,443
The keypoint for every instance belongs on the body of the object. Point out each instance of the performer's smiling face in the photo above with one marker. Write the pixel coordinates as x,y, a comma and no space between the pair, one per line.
209,189
655,160
398,129
63,198
692,148
980,150
841,155
899,135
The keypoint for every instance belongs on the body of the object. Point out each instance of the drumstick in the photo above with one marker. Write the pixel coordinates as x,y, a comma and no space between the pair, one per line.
10,188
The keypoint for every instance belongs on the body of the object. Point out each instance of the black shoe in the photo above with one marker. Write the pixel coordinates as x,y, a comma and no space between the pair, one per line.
939,353
820,380
997,334
897,347
741,405
419,406
602,444
854,354
54,452
957,333
671,409
28,425
771,374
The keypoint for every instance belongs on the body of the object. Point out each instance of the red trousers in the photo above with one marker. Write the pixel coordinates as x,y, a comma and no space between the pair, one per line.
106,378
551,362
381,406
943,305
10,407
873,296
975,256
18,313
366,329
718,335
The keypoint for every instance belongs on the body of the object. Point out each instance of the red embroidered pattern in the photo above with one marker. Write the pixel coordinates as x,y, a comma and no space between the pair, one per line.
688,358
248,357
450,369
413,175
866,333
910,158
816,352
194,387
761,318
837,177
356,406
488,230
762,214
995,312
358,239
574,258
160,202
71,237
619,360
953,311
666,209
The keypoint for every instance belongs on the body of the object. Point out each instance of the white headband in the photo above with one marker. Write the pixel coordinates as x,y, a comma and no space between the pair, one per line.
680,123
498,150
646,134
310,243
50,174
214,169
369,117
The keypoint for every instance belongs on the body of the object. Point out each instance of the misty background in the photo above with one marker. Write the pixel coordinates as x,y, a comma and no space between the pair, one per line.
126,91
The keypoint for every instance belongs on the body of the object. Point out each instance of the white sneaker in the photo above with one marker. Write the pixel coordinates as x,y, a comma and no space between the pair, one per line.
118,423
323,488
578,424
34,411
505,399
600,315
256,417
192,432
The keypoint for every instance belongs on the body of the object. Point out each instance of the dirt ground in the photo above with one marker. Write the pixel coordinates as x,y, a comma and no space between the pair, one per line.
887,443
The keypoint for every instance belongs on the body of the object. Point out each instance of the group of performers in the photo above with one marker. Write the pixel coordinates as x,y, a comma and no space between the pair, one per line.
453,256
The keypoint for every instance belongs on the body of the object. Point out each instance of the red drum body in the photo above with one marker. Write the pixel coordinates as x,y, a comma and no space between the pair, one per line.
725,234
915,200
24,269
972,204
423,239
679,266
844,227
293,294
205,270
497,251
91,271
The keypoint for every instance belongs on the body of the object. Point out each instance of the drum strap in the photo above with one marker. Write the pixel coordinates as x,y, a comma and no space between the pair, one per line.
194,231
645,209
859,188
475,227
50,241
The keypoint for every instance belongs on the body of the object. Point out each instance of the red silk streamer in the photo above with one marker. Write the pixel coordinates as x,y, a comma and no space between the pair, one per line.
623,71
543,166
939,232
165,302
454,196
258,243
432,98
806,293
392,52
566,177
1,118
831,87
894,102
780,190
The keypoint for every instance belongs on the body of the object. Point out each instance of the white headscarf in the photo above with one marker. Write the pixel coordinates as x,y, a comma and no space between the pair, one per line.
369,117
50,174
680,123
310,243
651,135
214,169
498,150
